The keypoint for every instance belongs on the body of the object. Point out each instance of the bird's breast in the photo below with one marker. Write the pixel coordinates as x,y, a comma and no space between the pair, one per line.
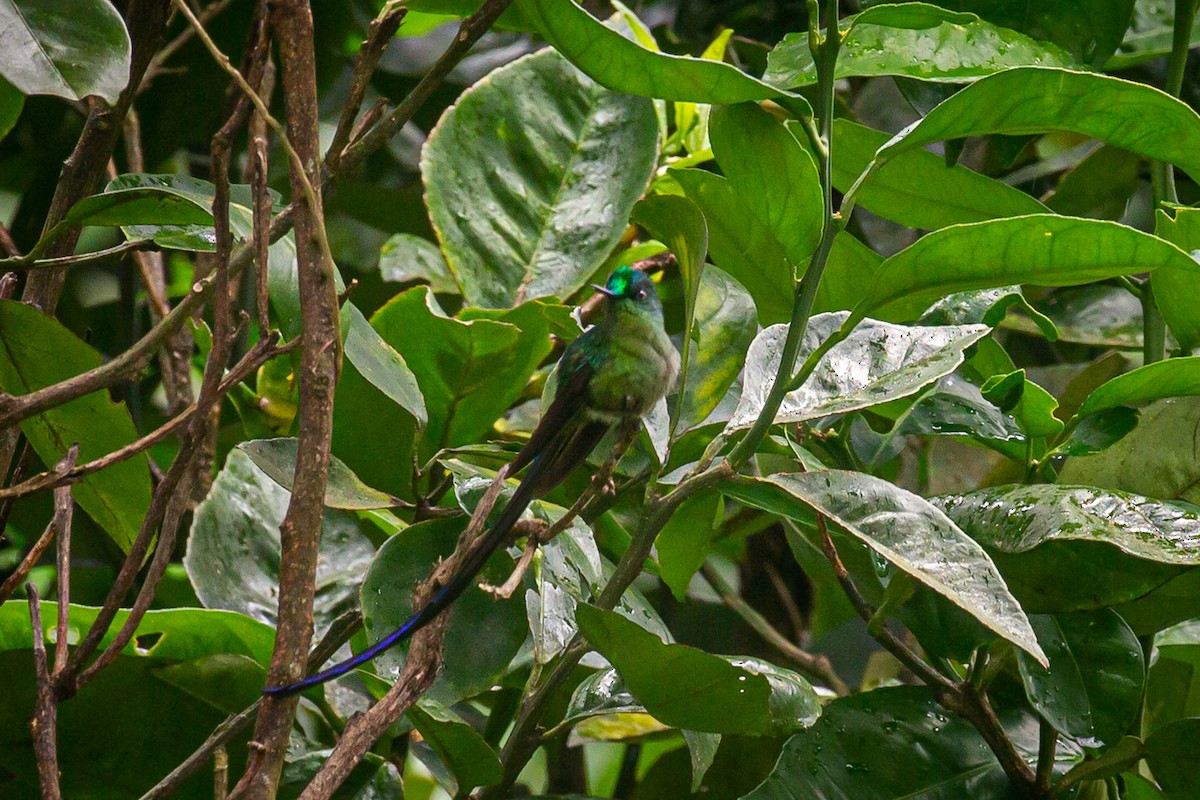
637,374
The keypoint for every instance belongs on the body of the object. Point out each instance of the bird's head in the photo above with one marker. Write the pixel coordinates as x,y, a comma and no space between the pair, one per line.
630,291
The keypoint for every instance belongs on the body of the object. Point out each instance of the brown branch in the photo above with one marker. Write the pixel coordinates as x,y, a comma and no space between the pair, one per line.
43,723
382,30
340,631
21,263
816,666
469,32
164,54
262,351
320,333
60,520
64,508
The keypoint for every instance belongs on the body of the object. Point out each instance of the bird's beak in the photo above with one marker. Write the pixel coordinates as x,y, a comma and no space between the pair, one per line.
604,290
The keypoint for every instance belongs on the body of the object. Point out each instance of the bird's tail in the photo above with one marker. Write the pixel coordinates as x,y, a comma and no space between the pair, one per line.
463,577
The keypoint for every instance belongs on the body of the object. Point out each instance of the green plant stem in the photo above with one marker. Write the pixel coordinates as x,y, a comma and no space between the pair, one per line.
1047,744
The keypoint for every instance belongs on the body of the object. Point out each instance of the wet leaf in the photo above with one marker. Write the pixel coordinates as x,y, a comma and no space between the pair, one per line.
70,51
1042,250
232,553
917,188
1097,315
483,634
406,257
538,216
683,544
1131,116
1093,687
1125,543
912,534
965,50
863,747
1160,458
691,689
876,363
1169,753
343,489
36,351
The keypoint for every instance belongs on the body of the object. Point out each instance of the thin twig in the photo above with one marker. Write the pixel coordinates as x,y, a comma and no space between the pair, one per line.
816,666
43,724
21,264
262,351
64,507
61,517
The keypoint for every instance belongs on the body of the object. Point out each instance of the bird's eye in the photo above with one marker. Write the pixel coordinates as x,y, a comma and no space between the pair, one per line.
640,294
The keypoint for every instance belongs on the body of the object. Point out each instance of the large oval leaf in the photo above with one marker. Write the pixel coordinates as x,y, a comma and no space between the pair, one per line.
624,65
1176,289
483,634
69,50
876,363
1125,544
232,553
917,188
896,742
772,174
381,365
538,215
1132,116
912,534
36,351
741,244
1043,250
1093,686
964,50
343,489
1174,378
691,689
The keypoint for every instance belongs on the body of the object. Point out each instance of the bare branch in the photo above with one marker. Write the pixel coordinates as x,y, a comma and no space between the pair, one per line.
58,522
43,724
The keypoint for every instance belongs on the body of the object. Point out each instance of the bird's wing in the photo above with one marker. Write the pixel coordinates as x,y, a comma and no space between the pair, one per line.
575,370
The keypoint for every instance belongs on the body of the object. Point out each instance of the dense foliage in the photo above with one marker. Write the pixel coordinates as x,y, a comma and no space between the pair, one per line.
920,519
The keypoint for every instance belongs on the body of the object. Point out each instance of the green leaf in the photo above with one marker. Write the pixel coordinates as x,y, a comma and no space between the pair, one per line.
1100,186
876,363
1093,687
177,659
773,175
1031,405
603,710
381,365
917,188
406,257
1174,378
343,489
1126,544
965,50
848,274
36,351
1150,35
1113,761
988,306
625,66
1095,314
1175,289
11,103
232,553
66,51
1131,116
691,689
1170,751
1043,250
1098,432
726,323
1158,459
915,16
742,245
483,634
464,752
895,742
539,215
469,372
916,537
683,544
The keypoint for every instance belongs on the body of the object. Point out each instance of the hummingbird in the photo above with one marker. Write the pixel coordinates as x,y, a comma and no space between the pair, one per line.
611,375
